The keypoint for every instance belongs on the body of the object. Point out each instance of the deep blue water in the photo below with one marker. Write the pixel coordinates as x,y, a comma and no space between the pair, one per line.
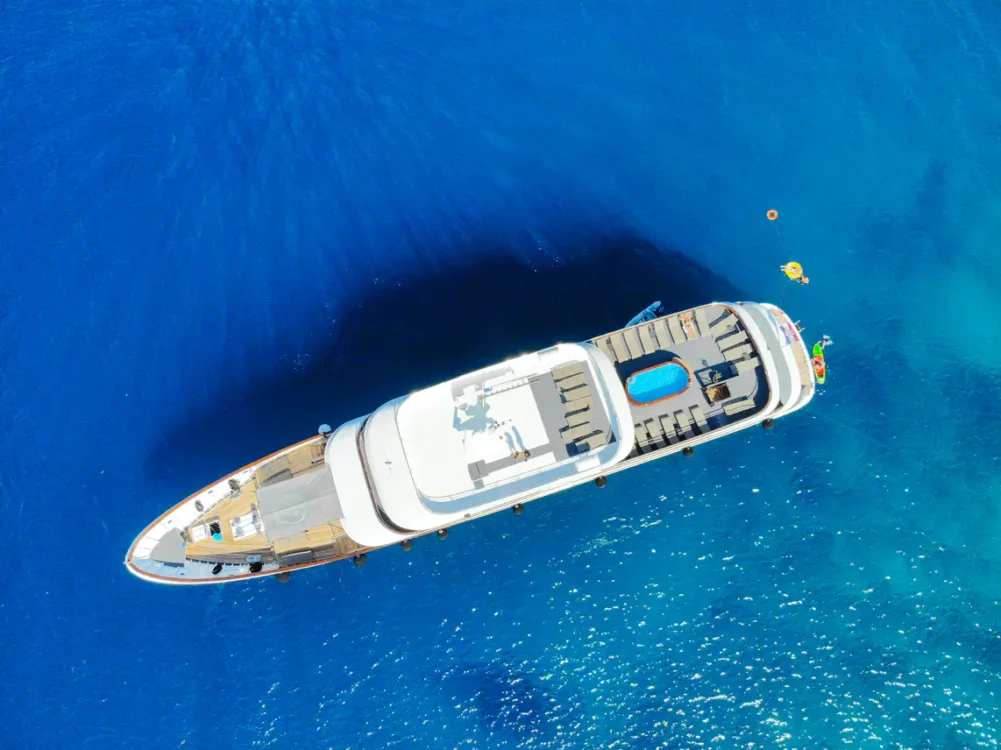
223,223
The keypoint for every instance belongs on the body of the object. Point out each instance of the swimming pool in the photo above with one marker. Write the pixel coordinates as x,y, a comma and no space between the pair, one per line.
657,383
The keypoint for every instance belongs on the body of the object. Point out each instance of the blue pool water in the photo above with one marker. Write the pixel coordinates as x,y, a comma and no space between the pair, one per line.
223,223
656,383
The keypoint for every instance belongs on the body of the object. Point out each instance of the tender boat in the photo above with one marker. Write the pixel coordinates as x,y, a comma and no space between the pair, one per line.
487,441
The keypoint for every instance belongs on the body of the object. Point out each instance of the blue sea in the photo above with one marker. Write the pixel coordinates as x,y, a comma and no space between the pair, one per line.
224,222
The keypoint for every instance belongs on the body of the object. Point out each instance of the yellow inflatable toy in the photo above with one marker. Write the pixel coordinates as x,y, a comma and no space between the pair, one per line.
794,271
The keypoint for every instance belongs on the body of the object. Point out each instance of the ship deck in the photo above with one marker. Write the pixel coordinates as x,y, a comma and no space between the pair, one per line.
227,535
727,383
517,418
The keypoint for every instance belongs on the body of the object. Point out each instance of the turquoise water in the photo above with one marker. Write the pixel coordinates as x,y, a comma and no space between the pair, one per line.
224,223
653,384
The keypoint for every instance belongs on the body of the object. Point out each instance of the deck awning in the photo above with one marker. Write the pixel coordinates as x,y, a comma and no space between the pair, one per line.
298,504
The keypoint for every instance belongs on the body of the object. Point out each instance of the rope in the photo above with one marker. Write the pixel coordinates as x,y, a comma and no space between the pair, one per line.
782,241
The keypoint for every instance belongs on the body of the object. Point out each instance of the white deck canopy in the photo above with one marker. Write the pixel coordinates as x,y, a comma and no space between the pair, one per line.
299,504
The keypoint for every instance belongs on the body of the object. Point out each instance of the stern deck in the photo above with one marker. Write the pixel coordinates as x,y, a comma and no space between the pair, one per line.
728,383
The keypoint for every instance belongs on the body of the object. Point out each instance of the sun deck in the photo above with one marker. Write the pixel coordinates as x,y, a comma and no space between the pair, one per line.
499,424
727,383
496,436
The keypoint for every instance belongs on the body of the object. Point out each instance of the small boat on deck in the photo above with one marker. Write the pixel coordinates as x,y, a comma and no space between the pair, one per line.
487,441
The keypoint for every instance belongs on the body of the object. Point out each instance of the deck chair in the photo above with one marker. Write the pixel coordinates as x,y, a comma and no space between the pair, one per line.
566,371
641,437
633,342
700,418
670,432
738,407
731,340
619,347
722,324
675,327
684,424
606,348
574,381
736,352
746,365
702,321
655,432
575,394
580,404
592,442
575,420
581,430
663,335
647,339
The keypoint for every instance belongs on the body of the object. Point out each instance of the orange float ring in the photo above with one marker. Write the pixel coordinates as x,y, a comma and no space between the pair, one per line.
772,214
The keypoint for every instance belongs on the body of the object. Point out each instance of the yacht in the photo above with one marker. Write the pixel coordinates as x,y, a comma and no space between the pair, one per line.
487,441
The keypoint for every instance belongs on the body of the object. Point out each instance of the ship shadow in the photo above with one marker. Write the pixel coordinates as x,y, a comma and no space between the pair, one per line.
415,330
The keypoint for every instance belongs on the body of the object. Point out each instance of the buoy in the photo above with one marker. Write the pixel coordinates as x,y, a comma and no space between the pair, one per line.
768,424
324,429
359,560
443,533
518,509
601,481
689,451
407,544
217,569
283,577
256,567
772,214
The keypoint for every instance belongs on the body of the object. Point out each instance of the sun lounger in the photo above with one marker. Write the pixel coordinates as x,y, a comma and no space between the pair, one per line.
641,437
663,335
606,348
647,339
600,439
684,424
687,320
730,341
592,442
675,327
700,418
746,365
737,352
575,395
582,430
619,347
633,342
723,324
655,432
700,318
653,428
574,381
737,407
667,422
580,404
575,420
565,371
